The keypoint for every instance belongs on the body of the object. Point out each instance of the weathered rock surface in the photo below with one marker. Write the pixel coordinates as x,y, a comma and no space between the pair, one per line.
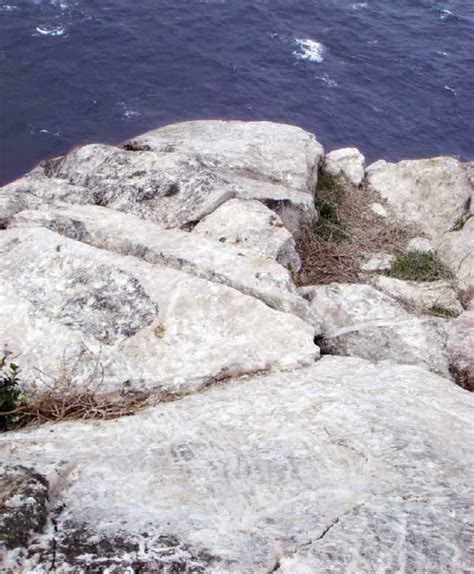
421,244
456,251
23,506
412,341
230,265
377,263
252,225
263,151
430,193
461,349
149,325
343,305
340,467
348,162
427,297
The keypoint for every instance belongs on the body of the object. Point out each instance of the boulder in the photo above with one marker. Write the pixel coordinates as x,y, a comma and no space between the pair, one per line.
456,251
421,244
436,297
343,466
342,305
182,174
264,151
430,193
251,225
230,265
411,341
378,209
461,349
348,162
68,309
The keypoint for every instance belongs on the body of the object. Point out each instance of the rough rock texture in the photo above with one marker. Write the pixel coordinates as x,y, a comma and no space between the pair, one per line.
23,506
149,325
343,305
421,244
377,263
427,297
348,162
182,174
378,209
230,265
341,467
456,250
461,349
430,193
252,225
410,341
263,151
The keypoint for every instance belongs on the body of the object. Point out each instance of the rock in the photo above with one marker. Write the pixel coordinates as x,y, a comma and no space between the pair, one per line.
429,193
379,210
437,297
456,251
23,506
229,265
252,225
410,341
342,466
67,307
263,151
185,177
461,349
378,263
342,305
421,244
347,161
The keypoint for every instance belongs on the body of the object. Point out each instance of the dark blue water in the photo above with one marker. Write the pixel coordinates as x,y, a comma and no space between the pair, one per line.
392,77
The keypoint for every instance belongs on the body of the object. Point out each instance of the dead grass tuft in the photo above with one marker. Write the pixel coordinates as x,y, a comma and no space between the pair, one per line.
356,233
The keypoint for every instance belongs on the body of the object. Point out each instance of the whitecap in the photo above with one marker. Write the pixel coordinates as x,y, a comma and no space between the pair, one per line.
359,5
127,111
452,90
327,80
50,31
310,50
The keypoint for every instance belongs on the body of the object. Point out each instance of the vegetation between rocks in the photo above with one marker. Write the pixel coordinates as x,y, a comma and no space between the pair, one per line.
461,222
418,266
346,231
11,396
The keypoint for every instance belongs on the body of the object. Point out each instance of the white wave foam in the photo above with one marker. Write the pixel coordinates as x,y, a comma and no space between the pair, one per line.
359,5
50,31
310,50
327,80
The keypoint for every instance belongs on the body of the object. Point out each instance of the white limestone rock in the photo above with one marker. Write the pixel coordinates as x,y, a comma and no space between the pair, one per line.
456,251
425,297
63,302
378,209
378,263
342,305
345,466
414,340
251,225
430,193
348,162
420,244
264,151
230,265
461,349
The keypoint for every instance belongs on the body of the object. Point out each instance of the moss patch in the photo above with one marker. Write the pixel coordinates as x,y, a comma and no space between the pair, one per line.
461,222
418,266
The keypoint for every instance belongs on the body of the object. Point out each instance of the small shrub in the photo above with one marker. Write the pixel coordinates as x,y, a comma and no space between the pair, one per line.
440,311
329,194
331,185
461,222
418,266
11,396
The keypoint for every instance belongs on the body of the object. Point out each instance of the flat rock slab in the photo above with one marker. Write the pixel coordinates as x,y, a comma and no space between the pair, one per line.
343,466
274,152
430,193
62,302
252,225
231,265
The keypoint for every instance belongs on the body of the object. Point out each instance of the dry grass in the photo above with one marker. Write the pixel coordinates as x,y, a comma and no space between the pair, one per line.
74,393
358,232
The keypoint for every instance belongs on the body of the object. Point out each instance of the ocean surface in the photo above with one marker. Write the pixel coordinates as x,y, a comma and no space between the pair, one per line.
392,77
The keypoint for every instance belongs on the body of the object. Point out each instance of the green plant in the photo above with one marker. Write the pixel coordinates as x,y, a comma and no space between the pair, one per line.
329,195
461,222
11,396
418,266
441,311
